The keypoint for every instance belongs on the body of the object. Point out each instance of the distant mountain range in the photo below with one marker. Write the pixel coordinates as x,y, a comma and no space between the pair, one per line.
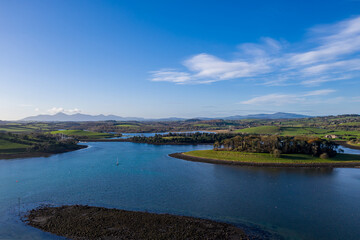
79,117
278,115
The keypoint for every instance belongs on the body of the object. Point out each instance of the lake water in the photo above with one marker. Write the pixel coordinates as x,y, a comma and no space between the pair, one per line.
291,203
129,135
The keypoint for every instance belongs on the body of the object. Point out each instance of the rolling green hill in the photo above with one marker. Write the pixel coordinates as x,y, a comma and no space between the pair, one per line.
82,133
297,131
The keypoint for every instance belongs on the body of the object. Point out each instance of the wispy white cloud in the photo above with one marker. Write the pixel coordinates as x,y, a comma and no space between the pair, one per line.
320,92
170,75
72,111
355,99
320,80
56,110
284,99
329,53
207,67
273,99
333,67
334,41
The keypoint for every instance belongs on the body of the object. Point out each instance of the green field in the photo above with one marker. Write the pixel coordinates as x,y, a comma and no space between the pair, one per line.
351,124
82,133
297,131
14,129
268,158
354,144
11,147
202,125
285,131
260,130
172,137
127,126
23,128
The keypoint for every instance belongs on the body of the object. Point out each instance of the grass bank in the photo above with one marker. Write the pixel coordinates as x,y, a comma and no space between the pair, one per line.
265,159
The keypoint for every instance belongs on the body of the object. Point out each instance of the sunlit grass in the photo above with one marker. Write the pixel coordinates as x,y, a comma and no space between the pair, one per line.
268,158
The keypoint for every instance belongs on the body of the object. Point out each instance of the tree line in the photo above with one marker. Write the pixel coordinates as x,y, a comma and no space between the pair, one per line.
182,138
278,144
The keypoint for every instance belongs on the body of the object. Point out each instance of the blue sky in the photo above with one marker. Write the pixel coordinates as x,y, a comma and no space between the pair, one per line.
179,58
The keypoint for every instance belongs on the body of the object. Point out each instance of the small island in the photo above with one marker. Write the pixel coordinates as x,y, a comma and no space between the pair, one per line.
85,222
273,151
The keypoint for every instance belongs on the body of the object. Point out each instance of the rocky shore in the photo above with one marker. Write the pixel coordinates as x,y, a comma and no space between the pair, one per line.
85,222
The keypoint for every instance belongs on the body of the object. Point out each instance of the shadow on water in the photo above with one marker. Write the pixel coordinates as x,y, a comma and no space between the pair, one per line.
321,171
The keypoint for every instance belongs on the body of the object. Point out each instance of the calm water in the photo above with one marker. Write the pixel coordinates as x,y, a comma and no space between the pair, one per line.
129,135
295,203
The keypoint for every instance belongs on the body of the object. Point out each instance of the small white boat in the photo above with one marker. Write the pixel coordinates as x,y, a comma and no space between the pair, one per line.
117,162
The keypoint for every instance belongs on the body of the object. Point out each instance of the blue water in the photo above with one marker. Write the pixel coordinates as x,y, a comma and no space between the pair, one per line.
295,203
128,135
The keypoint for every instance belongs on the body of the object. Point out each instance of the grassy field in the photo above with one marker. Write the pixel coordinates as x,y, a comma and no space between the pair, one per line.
297,131
285,131
354,144
14,129
260,130
202,125
23,128
8,147
267,158
351,124
127,126
82,133
172,137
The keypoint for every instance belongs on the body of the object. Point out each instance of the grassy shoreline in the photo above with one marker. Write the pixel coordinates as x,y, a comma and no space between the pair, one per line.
264,159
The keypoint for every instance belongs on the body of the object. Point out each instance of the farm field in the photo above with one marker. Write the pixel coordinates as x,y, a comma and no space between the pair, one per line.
297,131
8,147
82,133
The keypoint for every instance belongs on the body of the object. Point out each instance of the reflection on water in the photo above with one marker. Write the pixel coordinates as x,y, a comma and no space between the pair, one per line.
281,170
129,135
296,203
350,150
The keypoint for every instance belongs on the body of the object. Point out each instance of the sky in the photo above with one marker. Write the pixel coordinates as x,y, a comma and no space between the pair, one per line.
179,58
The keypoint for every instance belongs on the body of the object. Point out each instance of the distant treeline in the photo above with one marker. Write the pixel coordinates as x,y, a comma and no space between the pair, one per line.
278,144
182,138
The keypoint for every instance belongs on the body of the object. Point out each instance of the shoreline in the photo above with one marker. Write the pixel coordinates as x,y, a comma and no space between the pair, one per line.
87,222
345,144
255,164
125,140
36,154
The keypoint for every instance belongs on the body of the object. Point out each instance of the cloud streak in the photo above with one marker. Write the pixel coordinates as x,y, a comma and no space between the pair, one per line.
284,99
329,53
56,110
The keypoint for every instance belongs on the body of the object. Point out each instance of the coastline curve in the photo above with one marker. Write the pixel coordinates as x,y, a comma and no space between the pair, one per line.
182,156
